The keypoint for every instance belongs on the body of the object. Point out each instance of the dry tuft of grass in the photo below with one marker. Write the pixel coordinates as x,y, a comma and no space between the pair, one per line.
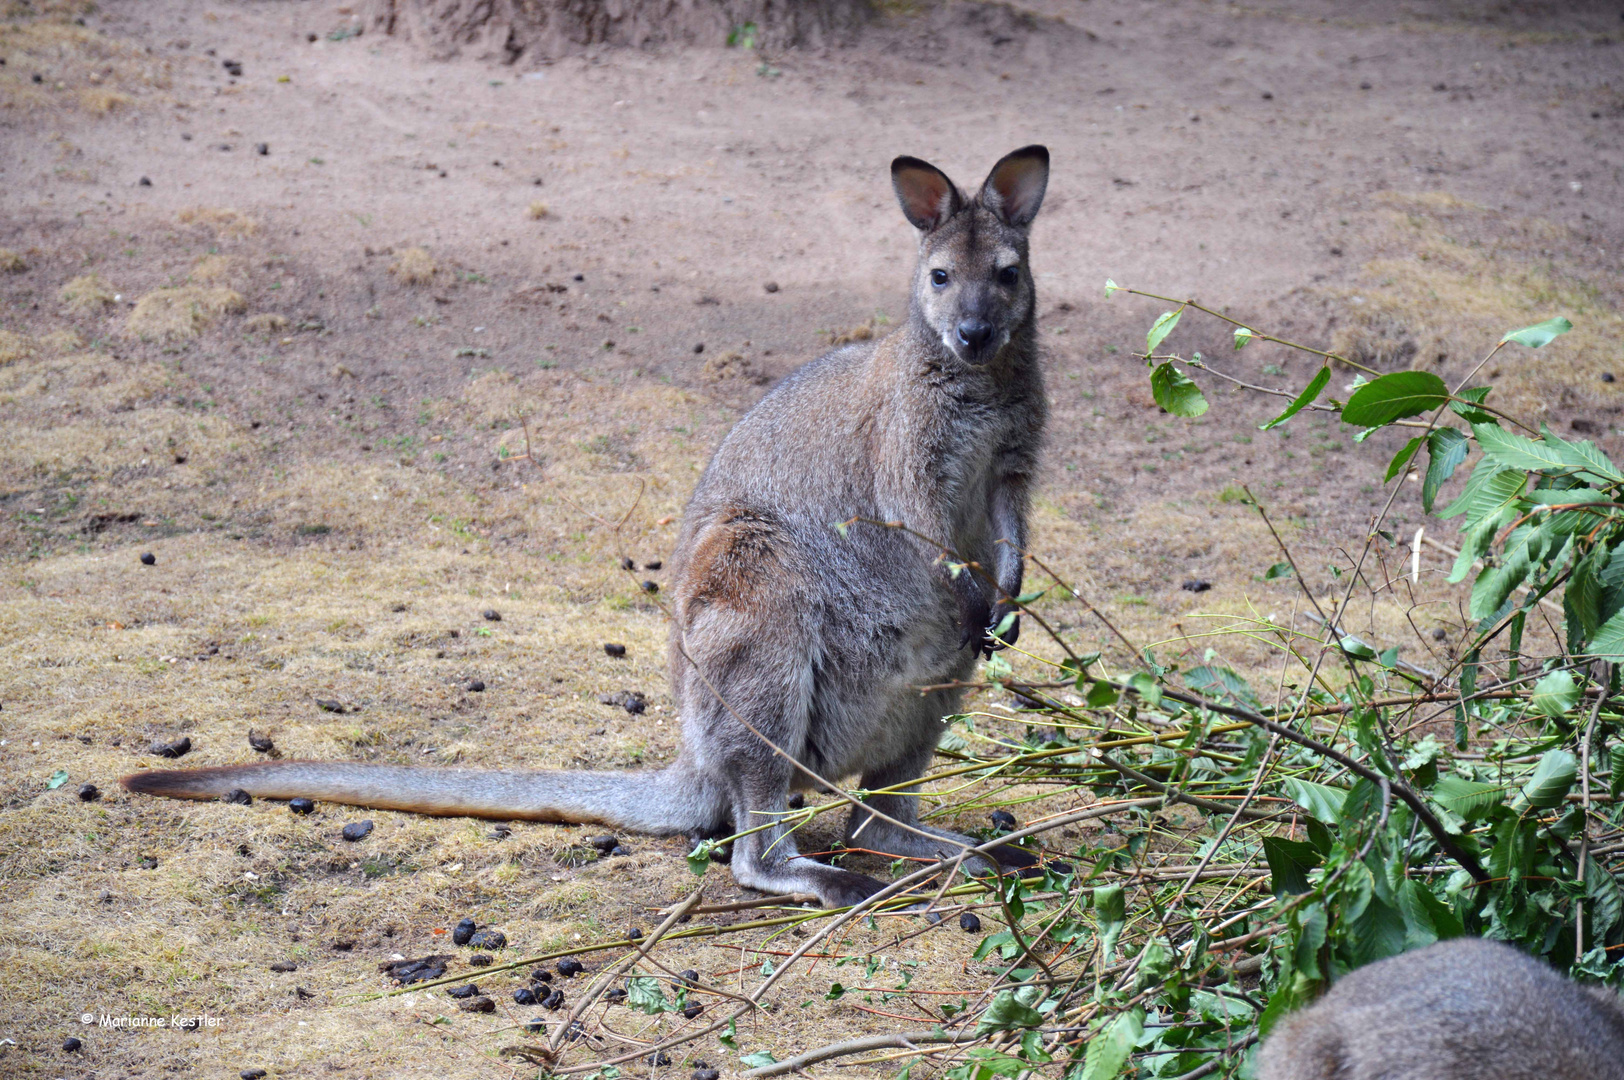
216,270
863,332
266,322
1455,276
85,295
82,69
227,223
732,367
62,341
179,314
537,211
14,347
414,266
11,262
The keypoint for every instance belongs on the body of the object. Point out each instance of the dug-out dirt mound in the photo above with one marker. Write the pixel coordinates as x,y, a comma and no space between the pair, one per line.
510,29
539,30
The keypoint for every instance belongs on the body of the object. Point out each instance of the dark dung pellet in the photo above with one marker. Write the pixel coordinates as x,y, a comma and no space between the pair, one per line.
357,830
969,923
463,932
148,558
301,806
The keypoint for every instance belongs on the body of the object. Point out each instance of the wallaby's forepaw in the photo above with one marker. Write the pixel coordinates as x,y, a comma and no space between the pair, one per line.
991,640
975,614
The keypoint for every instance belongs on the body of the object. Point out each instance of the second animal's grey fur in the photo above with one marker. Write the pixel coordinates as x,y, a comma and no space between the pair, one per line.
787,630
1465,1009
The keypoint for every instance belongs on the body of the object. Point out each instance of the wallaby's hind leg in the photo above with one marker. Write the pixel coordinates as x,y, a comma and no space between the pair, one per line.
768,860
865,830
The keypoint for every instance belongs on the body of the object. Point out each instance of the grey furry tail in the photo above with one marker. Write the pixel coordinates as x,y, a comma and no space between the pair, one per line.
665,802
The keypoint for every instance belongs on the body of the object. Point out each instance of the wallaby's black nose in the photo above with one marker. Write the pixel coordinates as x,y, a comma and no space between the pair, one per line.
975,333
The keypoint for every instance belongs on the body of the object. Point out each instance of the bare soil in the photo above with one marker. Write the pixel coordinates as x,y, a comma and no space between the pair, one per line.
361,342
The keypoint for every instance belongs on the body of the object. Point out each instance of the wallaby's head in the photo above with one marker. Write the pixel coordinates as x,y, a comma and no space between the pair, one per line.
973,287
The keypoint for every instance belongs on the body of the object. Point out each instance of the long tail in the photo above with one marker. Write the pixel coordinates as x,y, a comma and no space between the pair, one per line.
667,802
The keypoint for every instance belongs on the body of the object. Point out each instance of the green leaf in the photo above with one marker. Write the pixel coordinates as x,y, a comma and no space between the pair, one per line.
1553,777
1608,640
1110,905
1393,397
1101,695
1540,333
57,779
1552,454
1487,489
1467,799
1497,581
836,992
644,994
1278,570
1446,449
1243,337
1402,458
1426,918
758,1059
1148,689
1310,393
1615,762
1111,287
1174,392
1323,803
1108,1051
700,857
1465,402
1289,864
1219,682
1161,328
1005,1013
1556,694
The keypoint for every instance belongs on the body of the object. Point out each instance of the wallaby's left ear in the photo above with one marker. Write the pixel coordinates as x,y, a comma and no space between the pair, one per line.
1014,188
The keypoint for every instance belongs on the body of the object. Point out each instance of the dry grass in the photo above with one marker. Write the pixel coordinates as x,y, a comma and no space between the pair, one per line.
413,266
11,262
217,270
85,294
14,347
537,211
83,70
266,322
180,314
227,224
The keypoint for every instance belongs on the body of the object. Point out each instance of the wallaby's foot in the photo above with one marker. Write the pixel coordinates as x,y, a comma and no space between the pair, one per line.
832,886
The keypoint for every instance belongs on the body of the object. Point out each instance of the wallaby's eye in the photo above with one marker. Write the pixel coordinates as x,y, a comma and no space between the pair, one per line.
938,278
1009,275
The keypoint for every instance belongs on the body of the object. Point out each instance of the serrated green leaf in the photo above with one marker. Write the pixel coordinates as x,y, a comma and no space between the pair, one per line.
643,993
1101,695
1243,337
758,1059
1289,864
1108,1051
1540,333
1394,397
1323,803
1402,458
1615,777
1426,918
1550,455
57,779
1465,405
1467,799
1110,904
1277,570
1446,449
1161,328
1553,778
1608,640
1005,1013
1516,561
1219,682
1489,488
1310,393
1175,392
1148,689
1555,694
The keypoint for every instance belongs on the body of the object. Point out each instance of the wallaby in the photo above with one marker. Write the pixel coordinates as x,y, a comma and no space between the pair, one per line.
817,638
1464,1009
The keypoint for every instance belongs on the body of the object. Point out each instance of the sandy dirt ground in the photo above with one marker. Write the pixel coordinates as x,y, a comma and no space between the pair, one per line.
364,348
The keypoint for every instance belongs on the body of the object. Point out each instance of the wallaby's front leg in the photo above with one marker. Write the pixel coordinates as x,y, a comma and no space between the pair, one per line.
1007,516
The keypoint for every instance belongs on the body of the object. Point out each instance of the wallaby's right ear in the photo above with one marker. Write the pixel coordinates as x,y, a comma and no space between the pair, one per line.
927,196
